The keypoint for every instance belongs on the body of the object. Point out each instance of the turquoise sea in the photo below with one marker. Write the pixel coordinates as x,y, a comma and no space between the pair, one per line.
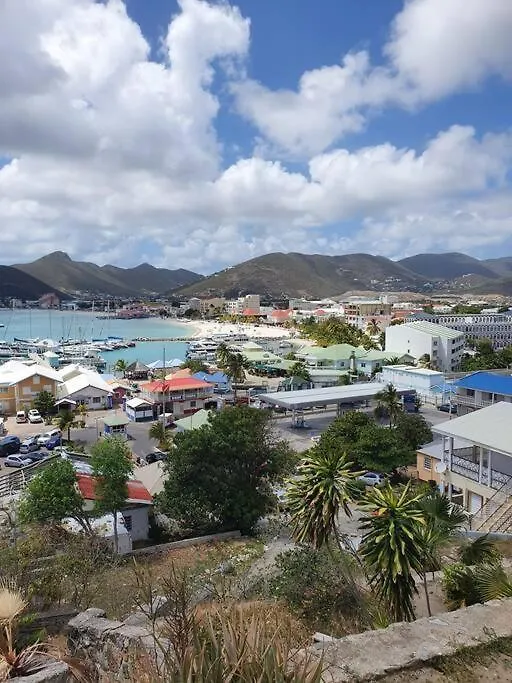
29,324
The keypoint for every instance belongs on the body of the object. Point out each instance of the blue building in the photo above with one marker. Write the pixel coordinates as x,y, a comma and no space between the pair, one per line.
481,389
220,381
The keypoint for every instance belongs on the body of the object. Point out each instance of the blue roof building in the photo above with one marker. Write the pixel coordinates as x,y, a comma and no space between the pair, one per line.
481,389
220,380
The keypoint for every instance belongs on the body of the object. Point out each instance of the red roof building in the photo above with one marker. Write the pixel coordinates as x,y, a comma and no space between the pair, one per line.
250,312
137,492
280,315
180,396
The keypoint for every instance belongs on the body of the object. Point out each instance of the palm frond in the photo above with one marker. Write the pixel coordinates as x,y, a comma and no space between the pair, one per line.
478,551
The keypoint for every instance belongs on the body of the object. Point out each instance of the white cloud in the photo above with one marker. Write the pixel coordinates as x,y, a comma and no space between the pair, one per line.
116,157
436,47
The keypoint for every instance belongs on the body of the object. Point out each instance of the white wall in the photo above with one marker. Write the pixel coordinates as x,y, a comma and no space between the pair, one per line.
140,522
88,394
402,339
410,378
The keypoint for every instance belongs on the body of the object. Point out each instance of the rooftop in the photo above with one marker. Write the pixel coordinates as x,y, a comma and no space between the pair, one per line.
488,427
487,381
164,386
414,370
137,492
295,400
433,329
14,371
116,421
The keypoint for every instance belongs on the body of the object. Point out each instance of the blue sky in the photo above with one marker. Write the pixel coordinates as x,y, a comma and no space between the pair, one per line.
199,134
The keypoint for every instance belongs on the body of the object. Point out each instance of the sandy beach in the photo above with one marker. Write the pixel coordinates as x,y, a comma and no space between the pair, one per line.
207,328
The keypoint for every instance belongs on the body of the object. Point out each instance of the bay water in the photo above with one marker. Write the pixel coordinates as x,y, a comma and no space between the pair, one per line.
50,324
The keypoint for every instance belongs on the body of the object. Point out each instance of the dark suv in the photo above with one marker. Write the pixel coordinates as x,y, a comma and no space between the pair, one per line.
9,445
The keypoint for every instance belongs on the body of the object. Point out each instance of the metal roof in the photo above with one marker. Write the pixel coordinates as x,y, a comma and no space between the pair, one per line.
487,381
295,400
433,329
488,427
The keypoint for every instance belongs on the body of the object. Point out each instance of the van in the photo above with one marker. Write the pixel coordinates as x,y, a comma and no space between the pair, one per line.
9,445
45,438
21,416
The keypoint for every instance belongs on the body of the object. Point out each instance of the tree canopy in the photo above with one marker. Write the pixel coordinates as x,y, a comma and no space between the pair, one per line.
485,357
52,495
44,402
334,330
220,476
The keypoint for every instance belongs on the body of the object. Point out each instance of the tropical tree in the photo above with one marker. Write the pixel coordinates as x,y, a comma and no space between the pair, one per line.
233,364
425,361
67,419
112,465
392,547
389,404
195,365
300,369
158,432
52,495
382,340
81,413
479,551
372,328
121,366
44,402
323,488
343,380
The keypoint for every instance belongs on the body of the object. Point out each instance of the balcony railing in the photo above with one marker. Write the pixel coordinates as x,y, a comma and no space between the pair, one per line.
470,401
470,470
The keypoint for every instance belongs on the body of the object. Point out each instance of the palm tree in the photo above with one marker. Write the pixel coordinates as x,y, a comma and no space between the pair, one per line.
492,582
121,366
316,497
389,404
158,432
382,340
300,369
81,411
424,361
67,419
481,550
372,328
392,547
233,364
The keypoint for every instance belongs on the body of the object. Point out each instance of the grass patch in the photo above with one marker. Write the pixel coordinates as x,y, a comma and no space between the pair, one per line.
466,664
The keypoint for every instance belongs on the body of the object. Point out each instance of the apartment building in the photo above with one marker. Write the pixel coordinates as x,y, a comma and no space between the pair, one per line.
497,327
472,463
443,345
360,313
180,396
21,382
243,303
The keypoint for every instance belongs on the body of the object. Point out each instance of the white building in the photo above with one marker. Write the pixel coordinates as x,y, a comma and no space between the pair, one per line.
426,383
238,306
443,345
86,387
497,327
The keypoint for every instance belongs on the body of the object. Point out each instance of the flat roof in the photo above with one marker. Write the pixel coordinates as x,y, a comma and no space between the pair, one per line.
116,421
293,400
488,427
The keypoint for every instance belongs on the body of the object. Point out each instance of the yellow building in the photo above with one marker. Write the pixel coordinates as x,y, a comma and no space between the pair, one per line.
21,382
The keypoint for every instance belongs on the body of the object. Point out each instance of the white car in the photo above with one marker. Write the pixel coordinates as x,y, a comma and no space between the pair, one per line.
17,461
372,478
34,416
316,438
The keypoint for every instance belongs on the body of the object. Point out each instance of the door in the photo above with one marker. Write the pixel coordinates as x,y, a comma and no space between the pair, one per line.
475,502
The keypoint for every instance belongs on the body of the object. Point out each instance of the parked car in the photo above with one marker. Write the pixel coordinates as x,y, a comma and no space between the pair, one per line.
30,444
17,461
48,436
448,408
316,438
21,416
372,478
34,416
54,442
37,456
9,445
156,456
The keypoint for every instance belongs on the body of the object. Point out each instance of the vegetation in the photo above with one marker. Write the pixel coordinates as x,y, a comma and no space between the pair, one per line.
389,404
121,366
112,465
195,365
159,432
44,402
486,358
52,495
299,369
233,364
221,474
392,549
67,419
334,330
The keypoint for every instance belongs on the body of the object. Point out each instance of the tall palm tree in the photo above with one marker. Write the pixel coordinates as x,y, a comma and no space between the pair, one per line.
372,328
121,366
392,547
316,497
158,432
67,419
389,404
233,364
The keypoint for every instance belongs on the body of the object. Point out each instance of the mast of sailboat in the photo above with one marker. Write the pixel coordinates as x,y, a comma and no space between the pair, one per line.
163,391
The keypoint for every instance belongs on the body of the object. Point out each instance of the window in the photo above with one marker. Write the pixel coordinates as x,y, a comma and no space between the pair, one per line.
427,462
26,391
128,522
47,387
36,379
96,399
193,404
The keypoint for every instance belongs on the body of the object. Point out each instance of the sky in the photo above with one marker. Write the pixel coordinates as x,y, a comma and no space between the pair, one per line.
199,134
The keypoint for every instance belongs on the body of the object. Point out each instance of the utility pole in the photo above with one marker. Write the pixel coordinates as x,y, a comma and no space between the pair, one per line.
163,391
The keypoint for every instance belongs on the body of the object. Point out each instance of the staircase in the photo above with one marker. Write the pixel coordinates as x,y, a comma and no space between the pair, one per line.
495,516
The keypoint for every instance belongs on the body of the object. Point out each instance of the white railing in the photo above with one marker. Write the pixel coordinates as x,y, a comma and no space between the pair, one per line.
471,470
470,401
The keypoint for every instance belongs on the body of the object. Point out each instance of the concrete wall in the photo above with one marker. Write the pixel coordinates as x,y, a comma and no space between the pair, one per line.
139,522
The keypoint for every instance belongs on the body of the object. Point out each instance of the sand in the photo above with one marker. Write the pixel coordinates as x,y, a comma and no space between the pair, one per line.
207,328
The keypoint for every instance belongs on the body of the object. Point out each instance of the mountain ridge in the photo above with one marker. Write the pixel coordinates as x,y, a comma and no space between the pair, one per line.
60,271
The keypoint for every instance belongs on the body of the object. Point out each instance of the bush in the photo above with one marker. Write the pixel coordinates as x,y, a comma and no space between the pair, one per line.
311,584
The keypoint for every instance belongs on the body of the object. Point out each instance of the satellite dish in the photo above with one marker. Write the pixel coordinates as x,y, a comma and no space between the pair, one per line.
440,467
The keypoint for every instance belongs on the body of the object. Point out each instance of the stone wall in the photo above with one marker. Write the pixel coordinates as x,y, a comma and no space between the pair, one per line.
110,645
186,542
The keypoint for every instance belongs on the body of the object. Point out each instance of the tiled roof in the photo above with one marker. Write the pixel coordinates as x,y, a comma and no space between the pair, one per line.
137,492
280,314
